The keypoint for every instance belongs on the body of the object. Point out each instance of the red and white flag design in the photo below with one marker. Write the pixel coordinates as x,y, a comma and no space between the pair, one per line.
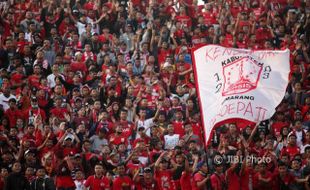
238,83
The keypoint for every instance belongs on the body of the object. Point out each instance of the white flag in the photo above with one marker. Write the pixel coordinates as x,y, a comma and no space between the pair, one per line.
237,83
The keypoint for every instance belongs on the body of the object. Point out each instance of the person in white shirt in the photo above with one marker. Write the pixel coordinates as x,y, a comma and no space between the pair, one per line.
51,78
80,24
146,123
299,132
5,96
79,180
171,139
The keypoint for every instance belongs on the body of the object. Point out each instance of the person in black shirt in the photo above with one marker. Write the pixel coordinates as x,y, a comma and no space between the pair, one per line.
16,180
42,182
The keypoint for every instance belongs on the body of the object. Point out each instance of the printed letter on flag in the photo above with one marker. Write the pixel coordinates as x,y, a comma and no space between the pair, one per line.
238,83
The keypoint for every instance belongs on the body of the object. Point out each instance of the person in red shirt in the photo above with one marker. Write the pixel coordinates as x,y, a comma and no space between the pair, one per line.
183,69
218,181
13,113
33,111
263,178
146,180
183,18
118,137
291,149
88,54
233,175
34,79
59,111
123,181
178,123
18,76
282,179
98,181
66,143
128,127
78,64
134,164
279,123
163,175
201,179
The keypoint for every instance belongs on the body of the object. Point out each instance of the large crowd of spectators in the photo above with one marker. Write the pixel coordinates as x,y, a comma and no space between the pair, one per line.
100,94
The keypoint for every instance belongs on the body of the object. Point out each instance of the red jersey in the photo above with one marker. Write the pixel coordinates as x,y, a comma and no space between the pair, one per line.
179,128
197,129
217,181
198,177
185,181
34,112
34,81
185,20
128,127
291,151
133,168
59,112
163,179
277,126
146,185
233,180
245,178
17,78
78,66
118,139
13,115
95,183
286,180
209,18
262,185
122,182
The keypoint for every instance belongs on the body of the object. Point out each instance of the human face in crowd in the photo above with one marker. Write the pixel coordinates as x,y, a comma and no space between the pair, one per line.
170,129
121,170
282,170
4,173
295,165
41,173
16,168
98,170
292,140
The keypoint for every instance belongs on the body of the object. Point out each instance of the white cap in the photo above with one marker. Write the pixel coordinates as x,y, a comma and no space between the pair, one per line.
167,64
69,136
77,53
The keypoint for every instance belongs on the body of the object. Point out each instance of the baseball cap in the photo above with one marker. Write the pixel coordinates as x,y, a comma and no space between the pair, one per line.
147,170
69,136
200,164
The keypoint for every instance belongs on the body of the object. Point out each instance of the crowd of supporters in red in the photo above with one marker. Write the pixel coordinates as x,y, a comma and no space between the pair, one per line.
101,95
